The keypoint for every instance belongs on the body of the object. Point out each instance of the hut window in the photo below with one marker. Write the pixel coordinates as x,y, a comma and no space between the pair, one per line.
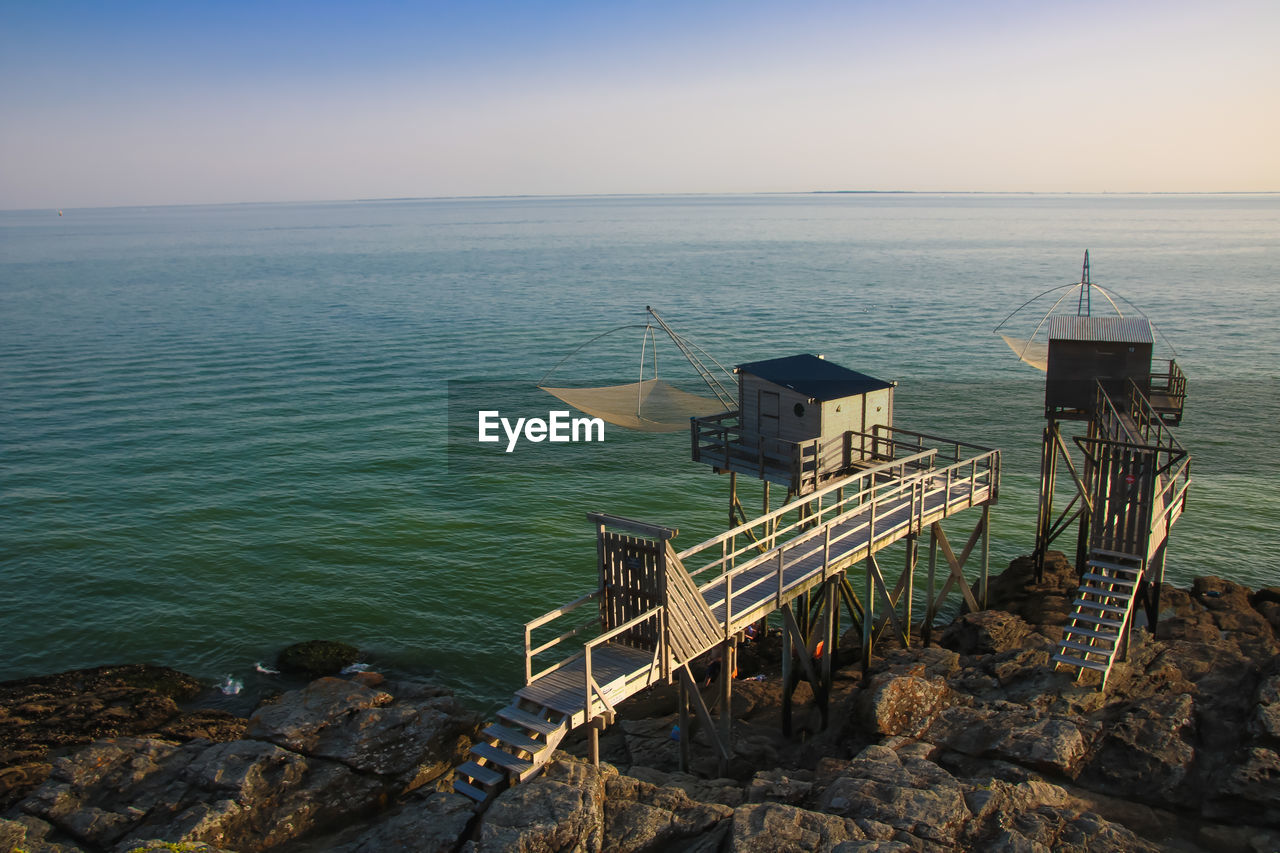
799,410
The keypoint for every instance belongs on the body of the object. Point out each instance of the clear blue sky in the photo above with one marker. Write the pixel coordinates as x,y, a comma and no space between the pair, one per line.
173,102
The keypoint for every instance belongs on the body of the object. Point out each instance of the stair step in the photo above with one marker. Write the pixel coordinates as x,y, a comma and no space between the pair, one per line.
514,738
1098,620
483,775
1081,647
1074,661
1115,567
1098,635
532,722
471,791
1097,605
502,758
1090,576
1116,555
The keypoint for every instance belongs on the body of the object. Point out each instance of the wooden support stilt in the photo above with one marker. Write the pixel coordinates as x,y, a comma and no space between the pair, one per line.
728,666
685,731
595,742
733,499
930,610
831,612
1155,573
909,572
986,554
704,717
868,622
851,603
787,670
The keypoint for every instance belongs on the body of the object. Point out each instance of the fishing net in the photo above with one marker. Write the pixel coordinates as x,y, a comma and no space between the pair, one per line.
1034,353
649,406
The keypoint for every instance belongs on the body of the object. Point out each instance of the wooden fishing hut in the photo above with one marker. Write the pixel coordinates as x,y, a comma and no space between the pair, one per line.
801,420
1128,474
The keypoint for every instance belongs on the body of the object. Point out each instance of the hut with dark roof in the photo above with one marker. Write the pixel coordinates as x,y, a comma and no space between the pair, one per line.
800,421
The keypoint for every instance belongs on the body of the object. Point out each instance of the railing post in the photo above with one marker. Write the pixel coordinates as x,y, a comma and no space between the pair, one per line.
586,670
528,659
780,577
728,607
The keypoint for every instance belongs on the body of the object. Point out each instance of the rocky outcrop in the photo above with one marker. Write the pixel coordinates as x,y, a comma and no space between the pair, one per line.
974,744
57,712
315,758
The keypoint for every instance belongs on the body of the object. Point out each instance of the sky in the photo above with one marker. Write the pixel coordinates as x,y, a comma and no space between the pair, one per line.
142,103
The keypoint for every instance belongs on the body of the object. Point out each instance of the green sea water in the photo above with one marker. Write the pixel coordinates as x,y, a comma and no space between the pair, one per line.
225,429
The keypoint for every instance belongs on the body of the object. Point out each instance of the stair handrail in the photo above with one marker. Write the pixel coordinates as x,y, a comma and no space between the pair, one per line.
550,616
591,645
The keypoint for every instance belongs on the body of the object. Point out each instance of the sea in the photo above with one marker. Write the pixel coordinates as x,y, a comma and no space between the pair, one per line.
225,429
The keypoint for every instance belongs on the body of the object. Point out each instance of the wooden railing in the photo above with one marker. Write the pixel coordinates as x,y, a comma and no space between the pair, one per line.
658,667
722,441
1173,385
836,524
530,652
1136,438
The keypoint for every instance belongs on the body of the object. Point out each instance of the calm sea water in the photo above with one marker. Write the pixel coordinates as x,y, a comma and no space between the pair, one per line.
223,429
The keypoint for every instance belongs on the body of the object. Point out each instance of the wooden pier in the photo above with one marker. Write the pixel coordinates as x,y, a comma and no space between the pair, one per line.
1132,490
655,610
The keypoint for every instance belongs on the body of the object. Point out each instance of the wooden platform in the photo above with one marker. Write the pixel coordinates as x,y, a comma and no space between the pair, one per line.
754,569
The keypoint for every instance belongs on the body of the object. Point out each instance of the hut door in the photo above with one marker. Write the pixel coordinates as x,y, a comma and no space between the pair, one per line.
767,419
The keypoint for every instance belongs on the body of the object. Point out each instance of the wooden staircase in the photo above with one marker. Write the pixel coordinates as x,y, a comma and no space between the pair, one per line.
511,750
1102,610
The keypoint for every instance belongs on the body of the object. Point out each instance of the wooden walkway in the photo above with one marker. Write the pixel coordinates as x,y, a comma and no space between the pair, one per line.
754,569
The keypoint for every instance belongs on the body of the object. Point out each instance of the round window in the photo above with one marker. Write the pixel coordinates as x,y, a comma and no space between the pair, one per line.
799,410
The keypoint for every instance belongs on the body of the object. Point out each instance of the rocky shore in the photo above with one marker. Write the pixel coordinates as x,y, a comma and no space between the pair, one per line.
970,743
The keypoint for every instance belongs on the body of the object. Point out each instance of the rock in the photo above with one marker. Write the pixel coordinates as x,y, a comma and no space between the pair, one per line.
1238,839
917,798
433,825
169,847
986,632
1143,754
650,743
724,791
900,705
361,727
80,706
1265,722
30,835
562,809
780,786
326,753
1044,604
316,658
1050,745
643,817
244,795
778,828
1256,779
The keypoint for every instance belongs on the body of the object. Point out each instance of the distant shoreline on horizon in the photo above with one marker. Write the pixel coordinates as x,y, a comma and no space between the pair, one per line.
623,195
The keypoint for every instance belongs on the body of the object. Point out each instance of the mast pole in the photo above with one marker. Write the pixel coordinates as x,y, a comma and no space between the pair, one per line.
1083,309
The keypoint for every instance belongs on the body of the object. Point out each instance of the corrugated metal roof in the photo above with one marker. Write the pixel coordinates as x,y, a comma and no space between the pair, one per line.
1122,330
814,377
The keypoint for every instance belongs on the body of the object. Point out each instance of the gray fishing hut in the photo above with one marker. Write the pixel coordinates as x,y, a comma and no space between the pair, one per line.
801,420
1085,352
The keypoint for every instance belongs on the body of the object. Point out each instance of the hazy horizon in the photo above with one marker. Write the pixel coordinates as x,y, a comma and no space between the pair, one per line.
155,104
